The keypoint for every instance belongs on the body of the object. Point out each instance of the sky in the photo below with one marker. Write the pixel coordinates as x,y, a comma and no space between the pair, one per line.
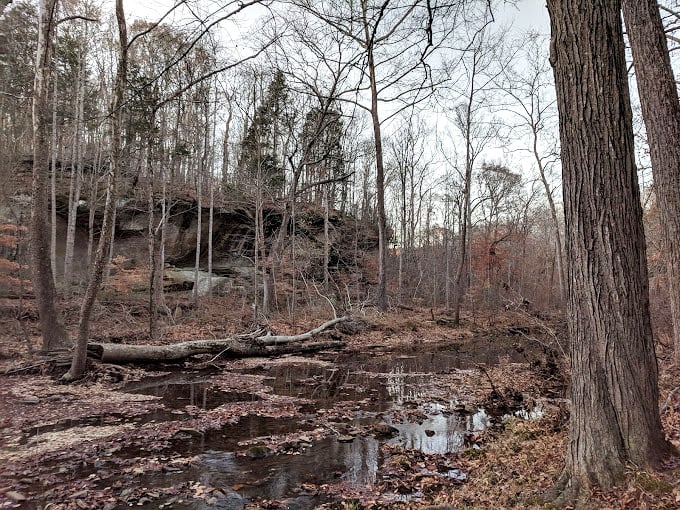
527,14
524,15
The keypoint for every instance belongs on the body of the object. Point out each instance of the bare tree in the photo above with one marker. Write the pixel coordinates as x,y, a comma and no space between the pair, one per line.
614,385
53,332
409,166
79,363
397,42
533,107
479,61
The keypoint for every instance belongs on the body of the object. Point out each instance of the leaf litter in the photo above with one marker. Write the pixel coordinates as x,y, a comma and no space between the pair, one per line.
54,455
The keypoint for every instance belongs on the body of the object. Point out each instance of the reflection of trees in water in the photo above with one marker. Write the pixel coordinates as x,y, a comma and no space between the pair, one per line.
309,381
361,460
478,421
403,386
448,434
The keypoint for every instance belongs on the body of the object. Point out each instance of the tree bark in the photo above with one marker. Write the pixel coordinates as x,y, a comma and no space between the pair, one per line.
661,113
614,414
76,181
79,363
4,4
53,180
53,333
379,184
235,347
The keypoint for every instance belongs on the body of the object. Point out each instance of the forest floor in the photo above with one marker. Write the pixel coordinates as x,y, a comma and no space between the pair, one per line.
413,412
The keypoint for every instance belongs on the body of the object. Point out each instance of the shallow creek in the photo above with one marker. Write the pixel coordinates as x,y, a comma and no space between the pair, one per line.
346,407
358,392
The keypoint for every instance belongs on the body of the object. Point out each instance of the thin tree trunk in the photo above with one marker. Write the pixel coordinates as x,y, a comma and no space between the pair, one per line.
463,276
379,187
211,215
53,333
661,112
92,202
614,419
79,363
109,256
76,181
199,229
326,239
152,233
53,181
553,213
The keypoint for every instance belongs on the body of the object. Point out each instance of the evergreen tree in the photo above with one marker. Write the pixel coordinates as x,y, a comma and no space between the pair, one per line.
260,159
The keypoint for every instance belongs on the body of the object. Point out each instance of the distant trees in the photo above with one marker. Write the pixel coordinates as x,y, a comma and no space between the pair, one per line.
392,48
260,157
18,39
614,392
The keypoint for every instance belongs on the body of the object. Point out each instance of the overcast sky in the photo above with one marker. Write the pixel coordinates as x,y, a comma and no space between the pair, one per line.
526,14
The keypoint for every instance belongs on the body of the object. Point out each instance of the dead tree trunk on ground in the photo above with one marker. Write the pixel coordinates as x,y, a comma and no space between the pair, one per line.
250,345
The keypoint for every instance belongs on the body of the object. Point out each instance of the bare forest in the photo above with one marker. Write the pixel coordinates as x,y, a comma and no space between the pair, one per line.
364,254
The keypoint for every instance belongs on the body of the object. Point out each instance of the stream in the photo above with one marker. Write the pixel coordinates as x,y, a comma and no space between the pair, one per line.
292,427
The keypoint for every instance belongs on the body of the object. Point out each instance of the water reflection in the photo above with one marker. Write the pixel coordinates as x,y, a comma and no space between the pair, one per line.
177,393
281,477
441,433
405,386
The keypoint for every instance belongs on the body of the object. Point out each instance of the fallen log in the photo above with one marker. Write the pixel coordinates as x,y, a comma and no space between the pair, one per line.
235,347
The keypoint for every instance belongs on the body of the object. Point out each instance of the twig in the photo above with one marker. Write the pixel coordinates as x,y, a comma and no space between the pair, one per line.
335,314
667,404
493,387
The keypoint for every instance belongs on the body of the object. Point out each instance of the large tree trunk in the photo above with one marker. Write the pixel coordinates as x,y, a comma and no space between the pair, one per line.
661,112
235,347
614,418
79,362
53,332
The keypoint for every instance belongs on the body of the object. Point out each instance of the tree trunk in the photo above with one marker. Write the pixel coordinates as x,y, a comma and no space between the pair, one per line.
53,333
53,181
553,213
326,240
614,414
661,113
199,228
379,188
79,362
239,346
153,242
76,182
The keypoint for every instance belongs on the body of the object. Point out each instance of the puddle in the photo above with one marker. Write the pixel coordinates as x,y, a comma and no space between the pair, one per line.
353,393
228,437
286,478
178,392
154,415
201,395
327,386
441,433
